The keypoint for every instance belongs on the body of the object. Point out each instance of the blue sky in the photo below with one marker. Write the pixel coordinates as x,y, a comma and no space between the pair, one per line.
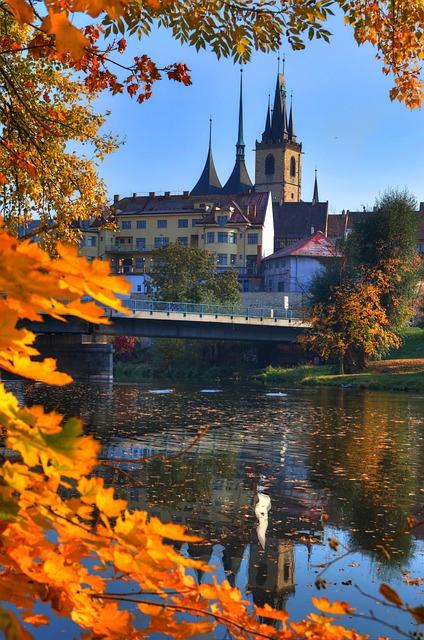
360,142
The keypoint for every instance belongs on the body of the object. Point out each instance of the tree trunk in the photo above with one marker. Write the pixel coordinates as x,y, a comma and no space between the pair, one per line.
341,365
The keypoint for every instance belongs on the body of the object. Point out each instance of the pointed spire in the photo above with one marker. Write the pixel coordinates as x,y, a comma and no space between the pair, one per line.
291,133
266,136
315,197
208,182
239,180
279,113
240,141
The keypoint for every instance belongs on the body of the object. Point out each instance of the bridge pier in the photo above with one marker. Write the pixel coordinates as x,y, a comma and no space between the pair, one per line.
85,357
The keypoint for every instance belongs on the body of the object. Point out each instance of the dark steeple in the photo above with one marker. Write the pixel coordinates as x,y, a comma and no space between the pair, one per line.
266,136
279,131
292,135
239,180
208,182
315,197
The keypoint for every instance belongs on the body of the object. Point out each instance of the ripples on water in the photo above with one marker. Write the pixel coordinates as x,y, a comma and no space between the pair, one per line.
355,456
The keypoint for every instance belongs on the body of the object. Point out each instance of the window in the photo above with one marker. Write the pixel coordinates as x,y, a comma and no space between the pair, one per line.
162,241
139,263
233,258
126,224
140,243
222,219
90,241
281,286
183,240
210,237
252,238
232,237
293,166
222,259
269,165
162,224
141,224
222,237
183,223
195,221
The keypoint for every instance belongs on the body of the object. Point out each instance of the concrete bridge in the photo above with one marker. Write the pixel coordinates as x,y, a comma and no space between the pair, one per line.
80,345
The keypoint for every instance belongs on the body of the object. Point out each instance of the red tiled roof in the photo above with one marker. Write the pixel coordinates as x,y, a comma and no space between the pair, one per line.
317,246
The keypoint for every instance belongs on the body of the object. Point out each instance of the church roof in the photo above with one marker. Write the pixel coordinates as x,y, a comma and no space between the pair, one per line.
208,181
293,220
316,246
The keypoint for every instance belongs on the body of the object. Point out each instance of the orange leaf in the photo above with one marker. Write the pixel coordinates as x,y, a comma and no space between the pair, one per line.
69,39
338,607
21,10
390,594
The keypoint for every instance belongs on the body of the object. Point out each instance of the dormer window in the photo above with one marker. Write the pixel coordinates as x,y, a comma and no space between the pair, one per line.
221,220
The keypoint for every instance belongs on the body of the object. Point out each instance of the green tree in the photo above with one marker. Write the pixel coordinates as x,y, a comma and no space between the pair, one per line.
190,274
386,240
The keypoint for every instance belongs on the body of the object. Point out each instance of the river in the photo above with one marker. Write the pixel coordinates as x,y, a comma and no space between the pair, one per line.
278,473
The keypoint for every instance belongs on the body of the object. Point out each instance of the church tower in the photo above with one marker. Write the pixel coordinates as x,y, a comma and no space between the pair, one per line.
278,165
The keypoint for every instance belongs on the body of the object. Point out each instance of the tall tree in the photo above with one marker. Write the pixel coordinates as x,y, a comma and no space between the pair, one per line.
386,240
189,274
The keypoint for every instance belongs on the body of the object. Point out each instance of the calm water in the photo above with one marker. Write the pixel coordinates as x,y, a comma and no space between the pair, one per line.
258,483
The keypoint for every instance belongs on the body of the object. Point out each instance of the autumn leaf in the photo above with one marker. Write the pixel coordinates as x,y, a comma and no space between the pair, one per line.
69,39
418,613
337,607
22,11
390,594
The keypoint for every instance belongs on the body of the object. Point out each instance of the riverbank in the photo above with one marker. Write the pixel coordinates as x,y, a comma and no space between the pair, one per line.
387,375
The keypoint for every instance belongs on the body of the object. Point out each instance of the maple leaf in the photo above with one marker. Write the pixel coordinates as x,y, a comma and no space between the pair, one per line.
337,607
22,11
69,39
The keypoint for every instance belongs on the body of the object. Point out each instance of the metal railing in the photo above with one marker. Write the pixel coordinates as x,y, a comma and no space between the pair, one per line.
189,308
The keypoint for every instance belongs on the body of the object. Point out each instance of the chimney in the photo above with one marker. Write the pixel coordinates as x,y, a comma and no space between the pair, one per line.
187,193
134,195
167,194
116,198
151,194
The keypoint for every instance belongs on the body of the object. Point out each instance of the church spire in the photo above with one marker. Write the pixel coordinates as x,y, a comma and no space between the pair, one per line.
266,136
291,133
315,197
239,180
279,113
240,141
208,182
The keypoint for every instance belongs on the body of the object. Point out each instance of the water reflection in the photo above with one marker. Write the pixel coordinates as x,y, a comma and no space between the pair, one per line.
257,486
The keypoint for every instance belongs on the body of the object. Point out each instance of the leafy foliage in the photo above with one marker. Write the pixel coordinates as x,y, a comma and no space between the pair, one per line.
352,322
386,240
43,110
229,28
190,275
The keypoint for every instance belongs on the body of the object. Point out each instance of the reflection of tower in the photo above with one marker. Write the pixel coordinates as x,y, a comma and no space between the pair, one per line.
271,572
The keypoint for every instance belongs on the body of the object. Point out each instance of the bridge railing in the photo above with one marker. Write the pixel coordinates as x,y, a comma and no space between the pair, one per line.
188,308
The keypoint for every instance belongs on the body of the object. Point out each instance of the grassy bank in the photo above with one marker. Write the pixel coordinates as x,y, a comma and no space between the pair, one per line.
390,375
